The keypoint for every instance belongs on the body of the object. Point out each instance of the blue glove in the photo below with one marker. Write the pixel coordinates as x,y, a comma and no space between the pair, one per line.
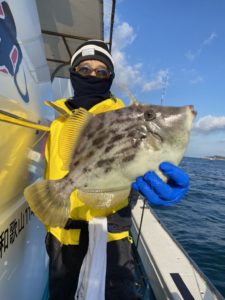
157,191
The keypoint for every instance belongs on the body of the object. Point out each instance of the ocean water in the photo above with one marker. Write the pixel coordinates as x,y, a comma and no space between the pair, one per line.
198,221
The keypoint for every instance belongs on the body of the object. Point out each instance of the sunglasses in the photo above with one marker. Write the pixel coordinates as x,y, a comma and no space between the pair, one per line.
86,70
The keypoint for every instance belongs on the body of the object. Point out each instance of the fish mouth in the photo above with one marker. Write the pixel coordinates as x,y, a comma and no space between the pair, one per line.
157,136
144,131
154,133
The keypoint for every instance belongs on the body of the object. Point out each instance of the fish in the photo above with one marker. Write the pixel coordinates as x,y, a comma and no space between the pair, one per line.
106,152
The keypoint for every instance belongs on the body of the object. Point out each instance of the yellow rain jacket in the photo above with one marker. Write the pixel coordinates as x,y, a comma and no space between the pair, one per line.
54,170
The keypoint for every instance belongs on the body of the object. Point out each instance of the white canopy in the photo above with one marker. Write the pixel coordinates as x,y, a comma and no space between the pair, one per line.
65,24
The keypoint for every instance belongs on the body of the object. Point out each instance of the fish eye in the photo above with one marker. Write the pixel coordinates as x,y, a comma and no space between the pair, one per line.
149,115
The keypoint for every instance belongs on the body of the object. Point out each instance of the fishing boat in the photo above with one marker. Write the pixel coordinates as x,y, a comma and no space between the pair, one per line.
37,39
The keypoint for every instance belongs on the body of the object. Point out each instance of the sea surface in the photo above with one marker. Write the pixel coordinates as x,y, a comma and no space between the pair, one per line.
198,221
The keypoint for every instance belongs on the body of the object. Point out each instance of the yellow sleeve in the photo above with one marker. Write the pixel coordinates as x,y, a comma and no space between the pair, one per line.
54,165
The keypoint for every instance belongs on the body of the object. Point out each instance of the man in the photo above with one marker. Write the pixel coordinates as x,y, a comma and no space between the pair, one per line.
91,74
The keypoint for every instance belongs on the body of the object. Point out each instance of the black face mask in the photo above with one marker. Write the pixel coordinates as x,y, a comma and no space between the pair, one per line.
89,90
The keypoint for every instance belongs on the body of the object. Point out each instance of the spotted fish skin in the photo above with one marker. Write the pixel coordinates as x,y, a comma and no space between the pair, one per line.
120,145
111,150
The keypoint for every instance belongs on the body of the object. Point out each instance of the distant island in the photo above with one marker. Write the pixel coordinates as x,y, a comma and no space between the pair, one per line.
215,157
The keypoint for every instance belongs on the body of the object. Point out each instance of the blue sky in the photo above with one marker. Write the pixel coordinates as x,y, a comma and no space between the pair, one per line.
174,51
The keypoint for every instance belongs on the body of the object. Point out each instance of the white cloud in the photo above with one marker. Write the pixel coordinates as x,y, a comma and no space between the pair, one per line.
131,75
197,80
209,124
192,55
107,6
209,40
160,81
193,74
126,73
222,141
123,36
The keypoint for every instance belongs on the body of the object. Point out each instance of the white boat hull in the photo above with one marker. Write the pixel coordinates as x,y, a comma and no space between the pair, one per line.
171,272
23,259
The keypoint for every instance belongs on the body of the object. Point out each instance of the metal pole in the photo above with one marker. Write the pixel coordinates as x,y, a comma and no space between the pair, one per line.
112,24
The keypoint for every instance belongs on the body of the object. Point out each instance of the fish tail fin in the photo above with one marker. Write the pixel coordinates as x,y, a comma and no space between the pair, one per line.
49,202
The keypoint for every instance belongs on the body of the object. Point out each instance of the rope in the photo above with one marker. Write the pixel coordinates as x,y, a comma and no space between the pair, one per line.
142,216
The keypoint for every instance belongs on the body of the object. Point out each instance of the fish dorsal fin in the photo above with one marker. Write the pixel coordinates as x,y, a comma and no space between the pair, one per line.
71,133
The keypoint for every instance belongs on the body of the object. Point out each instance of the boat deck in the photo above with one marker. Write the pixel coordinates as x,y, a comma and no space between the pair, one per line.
142,285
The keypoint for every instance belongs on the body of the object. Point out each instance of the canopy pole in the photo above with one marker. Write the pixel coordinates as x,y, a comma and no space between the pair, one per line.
16,120
112,24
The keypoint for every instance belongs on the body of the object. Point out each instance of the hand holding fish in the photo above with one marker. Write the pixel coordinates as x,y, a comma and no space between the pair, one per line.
157,192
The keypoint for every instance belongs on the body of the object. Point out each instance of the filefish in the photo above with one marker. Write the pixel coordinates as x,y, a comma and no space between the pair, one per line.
105,153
